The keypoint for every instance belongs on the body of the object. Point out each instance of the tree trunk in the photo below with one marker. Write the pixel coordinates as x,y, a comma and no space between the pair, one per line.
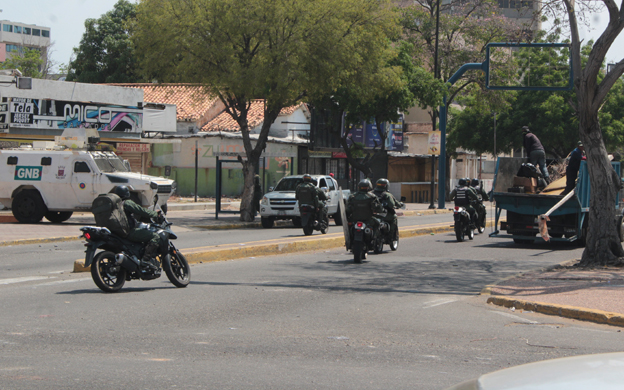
603,246
247,211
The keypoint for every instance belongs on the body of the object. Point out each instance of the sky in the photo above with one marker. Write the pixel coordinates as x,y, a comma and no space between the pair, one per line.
66,21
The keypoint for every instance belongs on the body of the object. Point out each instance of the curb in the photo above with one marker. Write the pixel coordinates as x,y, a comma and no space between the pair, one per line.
573,312
566,311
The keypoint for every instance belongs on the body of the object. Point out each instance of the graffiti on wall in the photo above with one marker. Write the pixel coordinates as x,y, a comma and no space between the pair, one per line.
61,114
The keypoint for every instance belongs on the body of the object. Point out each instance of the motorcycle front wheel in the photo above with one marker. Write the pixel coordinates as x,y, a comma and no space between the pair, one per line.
106,274
378,246
177,268
470,234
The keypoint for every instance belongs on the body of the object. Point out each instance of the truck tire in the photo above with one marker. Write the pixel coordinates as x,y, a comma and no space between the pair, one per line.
337,219
267,222
28,207
620,227
297,222
58,216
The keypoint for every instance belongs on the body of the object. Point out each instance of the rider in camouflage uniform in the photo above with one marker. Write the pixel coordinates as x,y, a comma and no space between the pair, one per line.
466,197
362,205
389,202
133,213
483,197
308,193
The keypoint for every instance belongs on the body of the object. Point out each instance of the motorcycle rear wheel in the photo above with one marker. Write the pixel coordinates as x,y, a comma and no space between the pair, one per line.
358,252
177,268
106,274
459,233
308,230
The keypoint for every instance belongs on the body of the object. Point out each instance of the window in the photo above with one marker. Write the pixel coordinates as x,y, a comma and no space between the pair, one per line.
331,185
46,160
12,160
81,166
18,29
45,33
27,30
7,27
322,183
10,48
36,32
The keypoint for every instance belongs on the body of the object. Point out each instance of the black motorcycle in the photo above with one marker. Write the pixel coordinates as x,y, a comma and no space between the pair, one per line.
309,220
120,259
365,238
463,225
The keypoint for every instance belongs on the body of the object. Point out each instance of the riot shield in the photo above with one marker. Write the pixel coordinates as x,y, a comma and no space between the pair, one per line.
343,216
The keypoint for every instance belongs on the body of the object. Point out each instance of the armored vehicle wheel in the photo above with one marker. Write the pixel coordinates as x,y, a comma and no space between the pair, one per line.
58,216
28,207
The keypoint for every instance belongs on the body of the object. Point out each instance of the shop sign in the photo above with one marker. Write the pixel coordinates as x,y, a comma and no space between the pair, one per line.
131,147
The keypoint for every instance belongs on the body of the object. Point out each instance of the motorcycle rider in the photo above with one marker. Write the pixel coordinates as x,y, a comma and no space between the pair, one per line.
465,196
362,205
389,202
138,234
483,197
308,193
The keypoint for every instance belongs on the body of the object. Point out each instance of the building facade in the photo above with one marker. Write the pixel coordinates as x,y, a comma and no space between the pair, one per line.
15,37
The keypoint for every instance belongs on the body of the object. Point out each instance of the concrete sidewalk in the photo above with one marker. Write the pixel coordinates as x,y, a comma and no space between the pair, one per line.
565,290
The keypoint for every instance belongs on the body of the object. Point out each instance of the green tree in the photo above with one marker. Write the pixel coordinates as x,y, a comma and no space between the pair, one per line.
105,53
394,88
27,61
281,51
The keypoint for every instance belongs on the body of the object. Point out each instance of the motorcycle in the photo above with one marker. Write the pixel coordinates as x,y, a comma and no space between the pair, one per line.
120,260
388,235
365,238
463,225
309,220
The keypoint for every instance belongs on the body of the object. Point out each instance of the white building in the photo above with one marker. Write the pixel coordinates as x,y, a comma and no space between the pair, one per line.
15,36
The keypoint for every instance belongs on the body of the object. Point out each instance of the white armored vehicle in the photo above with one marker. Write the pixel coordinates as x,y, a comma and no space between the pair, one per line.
52,181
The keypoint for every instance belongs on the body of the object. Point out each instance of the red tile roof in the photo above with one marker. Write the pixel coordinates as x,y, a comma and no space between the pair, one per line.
225,123
191,100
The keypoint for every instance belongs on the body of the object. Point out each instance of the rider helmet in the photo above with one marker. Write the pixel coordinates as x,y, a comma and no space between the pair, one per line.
123,192
365,186
462,182
382,185
307,178
474,182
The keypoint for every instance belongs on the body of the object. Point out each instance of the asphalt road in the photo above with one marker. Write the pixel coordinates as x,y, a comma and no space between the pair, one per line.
410,319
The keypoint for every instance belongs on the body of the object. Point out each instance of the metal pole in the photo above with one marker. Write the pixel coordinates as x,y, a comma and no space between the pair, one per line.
495,154
218,189
196,169
431,205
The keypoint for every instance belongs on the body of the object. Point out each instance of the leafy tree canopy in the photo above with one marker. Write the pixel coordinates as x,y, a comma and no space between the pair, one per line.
281,51
105,53
28,61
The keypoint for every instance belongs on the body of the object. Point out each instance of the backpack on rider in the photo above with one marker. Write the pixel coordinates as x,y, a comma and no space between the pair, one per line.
109,213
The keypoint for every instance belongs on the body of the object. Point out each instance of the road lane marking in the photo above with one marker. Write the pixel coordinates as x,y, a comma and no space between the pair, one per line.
22,279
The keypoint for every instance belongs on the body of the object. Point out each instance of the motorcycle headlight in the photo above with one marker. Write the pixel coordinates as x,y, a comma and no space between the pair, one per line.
264,201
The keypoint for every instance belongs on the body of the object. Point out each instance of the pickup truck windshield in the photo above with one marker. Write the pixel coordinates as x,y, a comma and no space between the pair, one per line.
289,184
110,163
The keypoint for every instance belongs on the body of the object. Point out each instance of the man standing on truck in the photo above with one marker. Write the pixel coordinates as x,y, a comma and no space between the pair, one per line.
308,193
573,167
535,152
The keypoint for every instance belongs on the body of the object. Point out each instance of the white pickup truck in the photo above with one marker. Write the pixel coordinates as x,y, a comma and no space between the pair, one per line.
280,202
